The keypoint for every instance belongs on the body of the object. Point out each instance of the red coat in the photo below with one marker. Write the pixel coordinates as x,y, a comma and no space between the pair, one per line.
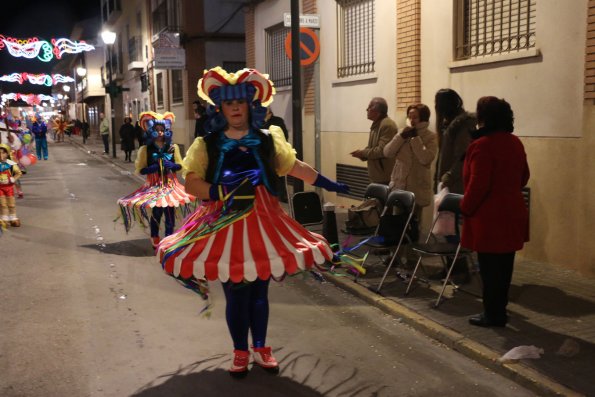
495,170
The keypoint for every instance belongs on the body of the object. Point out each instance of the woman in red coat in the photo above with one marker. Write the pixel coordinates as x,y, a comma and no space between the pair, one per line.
496,218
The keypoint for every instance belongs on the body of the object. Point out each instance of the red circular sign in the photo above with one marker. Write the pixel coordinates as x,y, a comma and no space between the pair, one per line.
309,46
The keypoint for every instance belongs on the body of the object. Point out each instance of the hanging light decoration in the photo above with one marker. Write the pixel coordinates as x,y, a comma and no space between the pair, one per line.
31,99
39,79
41,49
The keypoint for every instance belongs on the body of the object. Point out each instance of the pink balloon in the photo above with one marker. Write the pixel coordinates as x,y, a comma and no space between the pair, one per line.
25,160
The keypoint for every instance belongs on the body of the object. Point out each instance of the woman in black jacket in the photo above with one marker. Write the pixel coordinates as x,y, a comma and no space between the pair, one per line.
127,135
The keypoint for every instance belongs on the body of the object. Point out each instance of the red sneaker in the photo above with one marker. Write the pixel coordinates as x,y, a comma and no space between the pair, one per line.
264,358
155,241
239,367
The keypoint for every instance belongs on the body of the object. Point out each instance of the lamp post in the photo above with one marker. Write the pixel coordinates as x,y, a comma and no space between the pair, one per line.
66,89
109,38
81,72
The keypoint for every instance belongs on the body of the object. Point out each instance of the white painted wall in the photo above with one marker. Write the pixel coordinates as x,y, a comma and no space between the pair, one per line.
344,126
268,14
344,102
545,92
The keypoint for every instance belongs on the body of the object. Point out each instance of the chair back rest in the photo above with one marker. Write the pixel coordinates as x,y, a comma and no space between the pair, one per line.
396,217
403,198
451,203
307,208
378,191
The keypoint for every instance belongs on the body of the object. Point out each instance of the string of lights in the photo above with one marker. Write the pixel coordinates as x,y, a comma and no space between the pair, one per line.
39,79
41,49
31,99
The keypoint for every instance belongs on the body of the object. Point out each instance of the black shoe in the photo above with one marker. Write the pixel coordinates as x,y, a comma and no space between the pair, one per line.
481,320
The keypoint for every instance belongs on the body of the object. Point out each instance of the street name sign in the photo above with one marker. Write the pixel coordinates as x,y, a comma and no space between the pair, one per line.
306,20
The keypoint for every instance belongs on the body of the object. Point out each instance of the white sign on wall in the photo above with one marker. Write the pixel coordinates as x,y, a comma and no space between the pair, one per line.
306,20
170,58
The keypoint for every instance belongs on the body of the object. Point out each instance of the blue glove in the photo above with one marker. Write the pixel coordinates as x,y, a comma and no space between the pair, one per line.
153,168
170,165
331,186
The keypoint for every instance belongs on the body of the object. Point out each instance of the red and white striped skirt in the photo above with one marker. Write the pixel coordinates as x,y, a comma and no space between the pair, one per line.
262,242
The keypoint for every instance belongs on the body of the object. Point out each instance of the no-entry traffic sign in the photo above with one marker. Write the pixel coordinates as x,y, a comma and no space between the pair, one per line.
309,46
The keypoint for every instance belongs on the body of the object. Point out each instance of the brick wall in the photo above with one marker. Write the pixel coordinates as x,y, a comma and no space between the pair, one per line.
590,54
250,37
409,53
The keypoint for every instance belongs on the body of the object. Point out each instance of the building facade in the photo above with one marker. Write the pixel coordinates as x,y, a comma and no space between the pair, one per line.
207,33
539,56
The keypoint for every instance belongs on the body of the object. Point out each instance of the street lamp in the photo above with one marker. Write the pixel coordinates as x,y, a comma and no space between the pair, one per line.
81,72
109,38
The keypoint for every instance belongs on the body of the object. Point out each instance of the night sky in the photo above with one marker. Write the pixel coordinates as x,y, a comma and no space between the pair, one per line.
44,19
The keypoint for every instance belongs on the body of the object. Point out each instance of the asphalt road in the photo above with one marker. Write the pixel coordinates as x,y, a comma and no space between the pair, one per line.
85,310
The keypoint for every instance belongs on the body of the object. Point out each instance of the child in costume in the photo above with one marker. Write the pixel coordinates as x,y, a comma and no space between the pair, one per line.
161,194
9,174
241,235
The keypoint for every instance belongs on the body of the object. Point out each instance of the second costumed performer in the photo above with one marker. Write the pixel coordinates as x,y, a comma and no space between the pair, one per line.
161,193
241,235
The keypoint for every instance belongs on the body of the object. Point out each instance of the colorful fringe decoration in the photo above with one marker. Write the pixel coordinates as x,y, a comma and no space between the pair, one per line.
157,191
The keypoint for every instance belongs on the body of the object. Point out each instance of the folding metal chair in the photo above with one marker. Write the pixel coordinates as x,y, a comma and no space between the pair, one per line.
405,201
450,203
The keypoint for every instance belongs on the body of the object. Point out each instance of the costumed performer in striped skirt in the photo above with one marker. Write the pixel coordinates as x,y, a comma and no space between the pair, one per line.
241,235
162,193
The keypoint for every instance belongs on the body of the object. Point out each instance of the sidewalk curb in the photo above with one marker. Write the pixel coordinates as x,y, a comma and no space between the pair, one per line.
518,372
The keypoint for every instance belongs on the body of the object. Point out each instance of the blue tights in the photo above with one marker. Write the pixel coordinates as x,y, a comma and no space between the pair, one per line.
247,309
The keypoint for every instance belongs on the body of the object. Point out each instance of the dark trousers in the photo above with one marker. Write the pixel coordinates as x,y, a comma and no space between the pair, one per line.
170,220
105,138
247,309
496,275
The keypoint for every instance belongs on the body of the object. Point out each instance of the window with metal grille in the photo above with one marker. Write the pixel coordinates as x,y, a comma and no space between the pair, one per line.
355,37
165,16
489,27
134,49
278,65
177,86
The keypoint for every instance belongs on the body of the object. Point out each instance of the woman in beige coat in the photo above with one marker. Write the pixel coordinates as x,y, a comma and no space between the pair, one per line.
414,149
